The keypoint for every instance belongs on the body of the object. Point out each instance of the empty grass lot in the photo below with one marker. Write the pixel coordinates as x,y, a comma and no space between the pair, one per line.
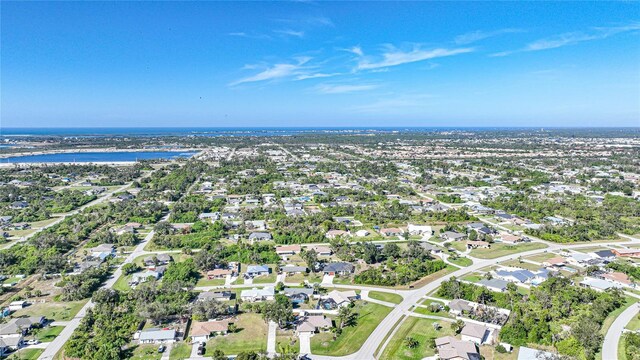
146,352
352,337
49,333
499,250
384,296
26,354
180,351
419,329
251,335
53,310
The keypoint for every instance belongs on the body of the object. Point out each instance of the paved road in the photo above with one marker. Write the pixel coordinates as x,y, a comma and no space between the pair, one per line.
611,340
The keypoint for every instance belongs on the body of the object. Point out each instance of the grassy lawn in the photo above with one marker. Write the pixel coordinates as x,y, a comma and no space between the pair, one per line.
287,342
490,353
461,261
634,324
419,329
297,278
146,352
26,354
180,351
499,250
472,278
122,284
49,333
269,279
459,245
60,311
523,265
427,311
542,257
250,336
342,280
352,338
203,281
384,296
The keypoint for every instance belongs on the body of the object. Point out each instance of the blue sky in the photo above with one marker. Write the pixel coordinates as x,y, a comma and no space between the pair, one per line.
68,64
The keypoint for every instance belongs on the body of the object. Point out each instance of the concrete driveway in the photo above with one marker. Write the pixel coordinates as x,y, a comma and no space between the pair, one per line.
305,344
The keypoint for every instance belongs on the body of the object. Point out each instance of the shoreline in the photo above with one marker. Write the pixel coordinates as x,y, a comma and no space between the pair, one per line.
94,150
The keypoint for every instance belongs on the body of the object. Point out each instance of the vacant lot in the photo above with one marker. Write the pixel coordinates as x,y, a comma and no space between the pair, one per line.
53,310
251,335
384,296
419,329
352,337
499,250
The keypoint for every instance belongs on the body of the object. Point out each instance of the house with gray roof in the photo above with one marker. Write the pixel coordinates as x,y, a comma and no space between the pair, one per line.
494,284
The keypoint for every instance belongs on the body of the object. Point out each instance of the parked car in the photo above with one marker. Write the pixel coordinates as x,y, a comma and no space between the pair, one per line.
161,348
33,342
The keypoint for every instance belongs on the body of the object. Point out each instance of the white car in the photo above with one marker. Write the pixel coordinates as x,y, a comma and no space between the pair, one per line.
33,342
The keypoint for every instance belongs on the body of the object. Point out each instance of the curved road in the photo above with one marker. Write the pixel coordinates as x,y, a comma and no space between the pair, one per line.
612,339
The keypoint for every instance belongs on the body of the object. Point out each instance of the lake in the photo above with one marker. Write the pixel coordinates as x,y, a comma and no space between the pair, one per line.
84,157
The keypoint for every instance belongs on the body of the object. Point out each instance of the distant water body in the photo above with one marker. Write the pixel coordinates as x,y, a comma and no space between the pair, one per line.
86,157
209,131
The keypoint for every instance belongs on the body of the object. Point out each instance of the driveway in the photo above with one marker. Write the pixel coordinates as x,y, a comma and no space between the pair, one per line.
271,338
327,279
167,351
305,343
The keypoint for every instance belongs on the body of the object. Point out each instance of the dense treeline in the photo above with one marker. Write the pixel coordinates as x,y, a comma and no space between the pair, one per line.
591,221
555,313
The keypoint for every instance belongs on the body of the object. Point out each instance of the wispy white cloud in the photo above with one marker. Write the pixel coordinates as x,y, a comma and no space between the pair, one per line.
316,75
249,36
344,88
572,38
276,71
478,35
395,57
289,32
395,104
313,21
355,50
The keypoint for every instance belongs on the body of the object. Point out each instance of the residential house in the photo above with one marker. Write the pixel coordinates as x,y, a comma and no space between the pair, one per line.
292,269
219,274
157,260
332,234
627,252
299,295
391,232
452,236
362,233
476,333
322,250
259,236
257,270
450,348
338,268
459,306
288,249
103,251
256,294
342,298
215,295
599,284
201,331
419,229
312,324
157,336
494,284
17,305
